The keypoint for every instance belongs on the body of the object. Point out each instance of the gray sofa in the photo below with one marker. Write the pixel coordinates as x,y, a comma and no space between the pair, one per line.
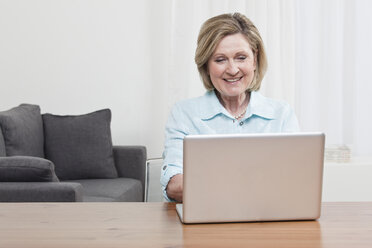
52,158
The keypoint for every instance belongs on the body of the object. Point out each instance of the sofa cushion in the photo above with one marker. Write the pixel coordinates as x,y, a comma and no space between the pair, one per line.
40,192
2,145
80,146
22,130
118,189
26,169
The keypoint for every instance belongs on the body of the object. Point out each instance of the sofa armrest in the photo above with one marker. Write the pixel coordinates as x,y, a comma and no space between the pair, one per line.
130,161
26,169
40,192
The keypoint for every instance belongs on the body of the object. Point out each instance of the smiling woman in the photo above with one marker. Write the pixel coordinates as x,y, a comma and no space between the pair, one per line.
231,60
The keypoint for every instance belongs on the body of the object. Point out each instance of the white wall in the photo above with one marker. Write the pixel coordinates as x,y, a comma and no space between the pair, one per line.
74,57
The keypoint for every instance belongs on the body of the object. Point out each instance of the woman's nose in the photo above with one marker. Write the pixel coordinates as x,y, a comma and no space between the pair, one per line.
232,69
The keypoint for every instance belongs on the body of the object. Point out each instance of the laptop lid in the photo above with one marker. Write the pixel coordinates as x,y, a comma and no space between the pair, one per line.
252,177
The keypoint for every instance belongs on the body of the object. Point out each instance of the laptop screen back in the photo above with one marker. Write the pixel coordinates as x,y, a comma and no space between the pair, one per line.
252,177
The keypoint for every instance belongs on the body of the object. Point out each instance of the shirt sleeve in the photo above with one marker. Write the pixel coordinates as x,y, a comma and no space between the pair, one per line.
175,131
290,123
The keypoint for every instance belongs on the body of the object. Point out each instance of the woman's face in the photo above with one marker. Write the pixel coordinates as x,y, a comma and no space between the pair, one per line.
232,65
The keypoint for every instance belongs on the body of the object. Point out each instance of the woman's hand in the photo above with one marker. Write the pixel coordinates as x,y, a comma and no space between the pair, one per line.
175,188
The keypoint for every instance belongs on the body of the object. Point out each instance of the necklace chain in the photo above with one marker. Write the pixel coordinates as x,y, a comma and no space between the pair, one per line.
237,117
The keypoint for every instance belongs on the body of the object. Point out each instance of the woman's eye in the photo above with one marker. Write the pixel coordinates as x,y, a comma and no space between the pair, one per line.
218,60
242,57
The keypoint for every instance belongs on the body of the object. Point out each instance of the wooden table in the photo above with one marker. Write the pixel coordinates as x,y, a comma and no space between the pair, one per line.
157,225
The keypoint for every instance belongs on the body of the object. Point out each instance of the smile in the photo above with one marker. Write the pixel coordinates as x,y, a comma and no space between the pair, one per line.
232,80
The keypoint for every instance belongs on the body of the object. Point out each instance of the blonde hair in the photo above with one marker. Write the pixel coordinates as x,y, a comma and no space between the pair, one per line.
218,27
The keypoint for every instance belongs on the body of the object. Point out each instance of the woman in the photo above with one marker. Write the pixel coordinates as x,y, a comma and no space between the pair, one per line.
231,61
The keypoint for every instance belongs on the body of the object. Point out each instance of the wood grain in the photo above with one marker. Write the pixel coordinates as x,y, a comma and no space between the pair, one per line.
157,225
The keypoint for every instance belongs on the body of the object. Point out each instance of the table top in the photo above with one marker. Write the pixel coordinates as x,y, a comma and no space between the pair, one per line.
157,225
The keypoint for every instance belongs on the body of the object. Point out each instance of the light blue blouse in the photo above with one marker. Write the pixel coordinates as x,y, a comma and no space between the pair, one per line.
206,115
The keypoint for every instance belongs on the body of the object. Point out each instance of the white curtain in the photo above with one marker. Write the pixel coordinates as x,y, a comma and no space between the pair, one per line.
317,52
333,64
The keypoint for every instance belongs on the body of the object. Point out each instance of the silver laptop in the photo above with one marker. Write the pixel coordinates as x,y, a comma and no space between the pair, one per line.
252,177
